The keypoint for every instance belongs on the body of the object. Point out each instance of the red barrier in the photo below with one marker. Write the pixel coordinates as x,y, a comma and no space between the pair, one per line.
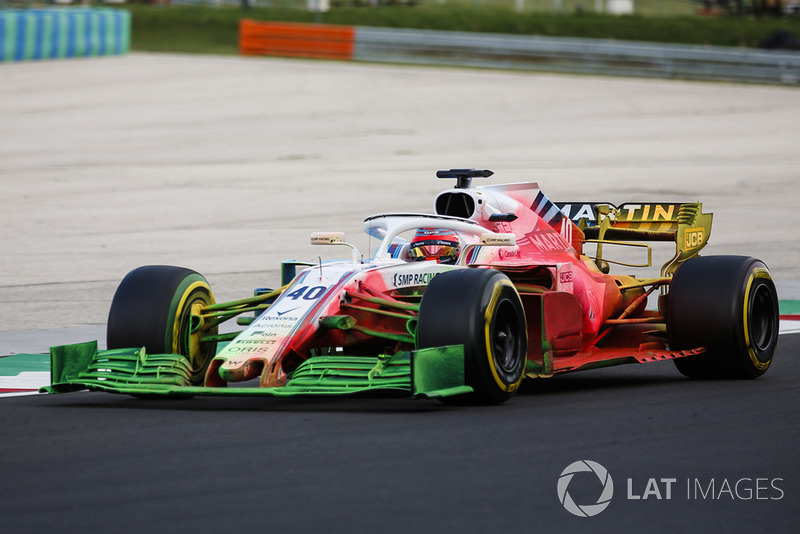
258,38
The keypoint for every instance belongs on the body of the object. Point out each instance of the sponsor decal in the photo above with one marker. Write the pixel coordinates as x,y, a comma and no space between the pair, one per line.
566,230
646,212
505,253
565,278
300,299
242,350
548,241
262,333
576,212
275,323
415,279
650,212
693,238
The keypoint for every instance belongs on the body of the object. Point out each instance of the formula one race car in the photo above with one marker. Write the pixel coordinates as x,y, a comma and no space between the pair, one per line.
495,286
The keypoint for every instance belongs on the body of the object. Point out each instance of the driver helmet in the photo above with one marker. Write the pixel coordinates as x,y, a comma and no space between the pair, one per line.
437,244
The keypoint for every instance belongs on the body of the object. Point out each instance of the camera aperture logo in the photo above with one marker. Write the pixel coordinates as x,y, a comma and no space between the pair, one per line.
585,510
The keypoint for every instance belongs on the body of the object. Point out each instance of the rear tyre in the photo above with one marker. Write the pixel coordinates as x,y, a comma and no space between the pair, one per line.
152,308
480,309
729,305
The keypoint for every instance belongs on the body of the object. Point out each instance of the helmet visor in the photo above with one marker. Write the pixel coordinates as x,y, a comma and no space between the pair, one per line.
431,250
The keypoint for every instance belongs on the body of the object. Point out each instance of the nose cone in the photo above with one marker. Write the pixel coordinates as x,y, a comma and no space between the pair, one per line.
228,375
239,371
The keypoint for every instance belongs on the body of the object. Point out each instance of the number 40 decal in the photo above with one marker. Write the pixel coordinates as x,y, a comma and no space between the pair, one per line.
307,292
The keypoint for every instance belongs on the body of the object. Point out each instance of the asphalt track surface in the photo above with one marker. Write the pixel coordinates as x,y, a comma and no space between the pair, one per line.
226,165
110,463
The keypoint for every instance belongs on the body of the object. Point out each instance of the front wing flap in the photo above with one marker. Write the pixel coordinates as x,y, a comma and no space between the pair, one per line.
427,373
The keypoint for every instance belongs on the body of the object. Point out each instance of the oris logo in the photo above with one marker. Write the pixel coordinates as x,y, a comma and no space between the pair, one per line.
590,509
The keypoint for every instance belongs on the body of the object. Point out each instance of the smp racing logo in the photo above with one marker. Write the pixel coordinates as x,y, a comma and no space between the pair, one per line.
415,279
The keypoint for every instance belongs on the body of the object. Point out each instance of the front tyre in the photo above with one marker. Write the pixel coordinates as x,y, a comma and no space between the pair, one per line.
729,305
153,307
481,310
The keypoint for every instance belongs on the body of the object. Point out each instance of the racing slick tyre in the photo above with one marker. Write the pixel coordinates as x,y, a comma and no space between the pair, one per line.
729,305
480,309
153,307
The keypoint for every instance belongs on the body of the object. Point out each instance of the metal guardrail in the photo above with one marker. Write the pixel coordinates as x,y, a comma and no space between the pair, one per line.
592,56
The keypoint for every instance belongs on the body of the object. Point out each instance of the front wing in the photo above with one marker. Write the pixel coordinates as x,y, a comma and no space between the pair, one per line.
426,373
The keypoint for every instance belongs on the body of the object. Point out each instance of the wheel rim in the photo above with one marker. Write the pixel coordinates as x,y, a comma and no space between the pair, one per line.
762,327
505,342
189,345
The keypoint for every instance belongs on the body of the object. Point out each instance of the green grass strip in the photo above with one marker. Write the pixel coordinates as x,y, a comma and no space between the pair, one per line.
22,363
215,30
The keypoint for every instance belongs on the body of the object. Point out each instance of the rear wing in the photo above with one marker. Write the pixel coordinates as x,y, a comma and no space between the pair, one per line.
683,223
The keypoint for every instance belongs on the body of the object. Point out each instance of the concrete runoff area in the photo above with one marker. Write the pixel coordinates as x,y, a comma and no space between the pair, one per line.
226,164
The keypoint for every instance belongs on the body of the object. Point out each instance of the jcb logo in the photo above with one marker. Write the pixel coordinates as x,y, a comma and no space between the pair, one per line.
694,238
